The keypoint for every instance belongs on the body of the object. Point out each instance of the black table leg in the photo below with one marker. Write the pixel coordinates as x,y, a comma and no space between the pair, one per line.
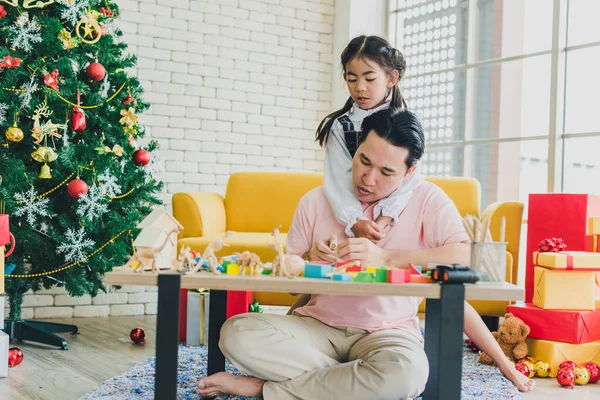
167,334
444,325
216,318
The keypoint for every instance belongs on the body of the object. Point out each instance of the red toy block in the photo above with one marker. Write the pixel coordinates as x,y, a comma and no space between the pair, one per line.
350,263
355,268
397,275
557,215
569,326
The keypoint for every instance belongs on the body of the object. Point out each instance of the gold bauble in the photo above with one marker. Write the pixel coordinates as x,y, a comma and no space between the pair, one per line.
14,133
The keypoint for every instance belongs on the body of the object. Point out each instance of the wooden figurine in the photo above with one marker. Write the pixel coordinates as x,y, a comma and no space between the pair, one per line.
252,260
209,254
289,265
157,242
147,257
185,255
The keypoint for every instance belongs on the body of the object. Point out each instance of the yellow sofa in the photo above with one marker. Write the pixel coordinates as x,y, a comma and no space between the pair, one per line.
257,202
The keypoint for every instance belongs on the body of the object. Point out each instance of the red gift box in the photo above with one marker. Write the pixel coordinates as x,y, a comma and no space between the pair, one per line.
4,230
569,326
592,243
558,215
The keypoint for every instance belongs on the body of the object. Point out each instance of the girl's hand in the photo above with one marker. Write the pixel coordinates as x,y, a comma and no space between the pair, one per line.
367,229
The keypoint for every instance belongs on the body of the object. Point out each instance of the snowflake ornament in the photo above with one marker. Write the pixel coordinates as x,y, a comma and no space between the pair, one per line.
92,205
3,111
75,245
156,167
105,87
109,184
28,205
25,33
29,89
74,10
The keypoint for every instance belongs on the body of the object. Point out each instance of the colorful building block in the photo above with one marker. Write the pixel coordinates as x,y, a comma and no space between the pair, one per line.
381,274
397,275
354,268
317,270
414,278
342,277
371,269
364,277
349,263
233,269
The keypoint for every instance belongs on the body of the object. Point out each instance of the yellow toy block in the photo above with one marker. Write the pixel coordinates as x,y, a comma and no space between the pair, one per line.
233,269
372,270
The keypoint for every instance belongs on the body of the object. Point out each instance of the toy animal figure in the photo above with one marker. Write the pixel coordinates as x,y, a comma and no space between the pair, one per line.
289,265
252,260
185,255
209,254
147,256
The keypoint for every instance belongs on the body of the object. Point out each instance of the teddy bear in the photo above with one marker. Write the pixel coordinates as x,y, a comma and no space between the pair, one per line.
511,338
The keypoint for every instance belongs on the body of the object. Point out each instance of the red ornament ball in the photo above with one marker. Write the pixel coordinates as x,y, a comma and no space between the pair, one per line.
567,364
76,188
566,377
137,336
523,368
141,157
95,71
15,356
594,371
78,120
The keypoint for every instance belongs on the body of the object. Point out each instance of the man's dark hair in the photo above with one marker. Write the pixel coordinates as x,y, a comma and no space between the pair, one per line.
401,128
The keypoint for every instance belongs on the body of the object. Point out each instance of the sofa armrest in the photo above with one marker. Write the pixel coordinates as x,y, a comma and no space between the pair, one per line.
513,213
201,214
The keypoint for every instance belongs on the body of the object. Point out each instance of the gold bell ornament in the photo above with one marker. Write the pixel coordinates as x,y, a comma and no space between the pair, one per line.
44,154
14,133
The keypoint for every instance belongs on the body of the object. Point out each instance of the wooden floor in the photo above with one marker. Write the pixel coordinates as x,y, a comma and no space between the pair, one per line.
103,350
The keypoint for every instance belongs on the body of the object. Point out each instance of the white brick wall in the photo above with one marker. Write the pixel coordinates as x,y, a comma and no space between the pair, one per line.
234,85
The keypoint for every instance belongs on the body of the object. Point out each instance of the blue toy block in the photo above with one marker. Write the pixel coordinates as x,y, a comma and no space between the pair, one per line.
317,270
342,277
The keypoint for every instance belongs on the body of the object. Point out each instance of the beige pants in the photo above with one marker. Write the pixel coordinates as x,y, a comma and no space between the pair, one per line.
303,358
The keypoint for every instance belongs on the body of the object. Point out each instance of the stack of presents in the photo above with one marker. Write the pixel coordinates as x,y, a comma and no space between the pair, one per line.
562,290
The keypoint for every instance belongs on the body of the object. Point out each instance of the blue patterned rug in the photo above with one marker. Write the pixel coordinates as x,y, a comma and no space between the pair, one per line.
479,381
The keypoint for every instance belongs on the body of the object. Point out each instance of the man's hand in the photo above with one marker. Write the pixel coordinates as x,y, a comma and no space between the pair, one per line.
363,250
320,251
368,229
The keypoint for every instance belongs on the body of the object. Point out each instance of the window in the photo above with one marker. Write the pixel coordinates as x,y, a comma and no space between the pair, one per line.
507,91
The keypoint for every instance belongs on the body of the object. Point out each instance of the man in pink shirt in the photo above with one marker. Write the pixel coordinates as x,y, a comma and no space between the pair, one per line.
357,347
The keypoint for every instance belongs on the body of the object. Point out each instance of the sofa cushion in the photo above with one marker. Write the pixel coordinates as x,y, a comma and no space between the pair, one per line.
261,201
240,242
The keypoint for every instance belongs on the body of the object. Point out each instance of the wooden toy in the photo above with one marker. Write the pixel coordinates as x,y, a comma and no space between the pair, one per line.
317,270
233,269
342,277
398,275
250,263
414,278
364,277
209,254
289,265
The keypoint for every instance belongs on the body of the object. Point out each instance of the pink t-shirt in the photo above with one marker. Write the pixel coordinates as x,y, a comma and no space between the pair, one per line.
429,220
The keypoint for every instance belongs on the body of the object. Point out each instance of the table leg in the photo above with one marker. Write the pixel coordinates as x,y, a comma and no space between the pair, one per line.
444,325
167,330
216,318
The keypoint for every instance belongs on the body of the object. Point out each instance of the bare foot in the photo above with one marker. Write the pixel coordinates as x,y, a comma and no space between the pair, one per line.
224,383
522,382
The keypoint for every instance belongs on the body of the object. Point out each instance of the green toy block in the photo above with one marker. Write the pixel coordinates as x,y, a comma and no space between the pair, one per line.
381,274
365,277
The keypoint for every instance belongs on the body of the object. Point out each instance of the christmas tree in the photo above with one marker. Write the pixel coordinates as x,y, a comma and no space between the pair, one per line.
75,179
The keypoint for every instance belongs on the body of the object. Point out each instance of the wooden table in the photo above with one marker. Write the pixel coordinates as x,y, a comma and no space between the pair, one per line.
444,318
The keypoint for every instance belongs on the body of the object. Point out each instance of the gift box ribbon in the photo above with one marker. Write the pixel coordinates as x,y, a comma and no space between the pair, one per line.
565,253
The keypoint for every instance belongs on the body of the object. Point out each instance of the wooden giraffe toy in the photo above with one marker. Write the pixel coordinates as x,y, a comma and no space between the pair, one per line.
209,254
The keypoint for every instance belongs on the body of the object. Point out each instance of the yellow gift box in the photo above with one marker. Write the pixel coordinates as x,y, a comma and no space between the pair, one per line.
570,260
564,290
594,226
554,353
